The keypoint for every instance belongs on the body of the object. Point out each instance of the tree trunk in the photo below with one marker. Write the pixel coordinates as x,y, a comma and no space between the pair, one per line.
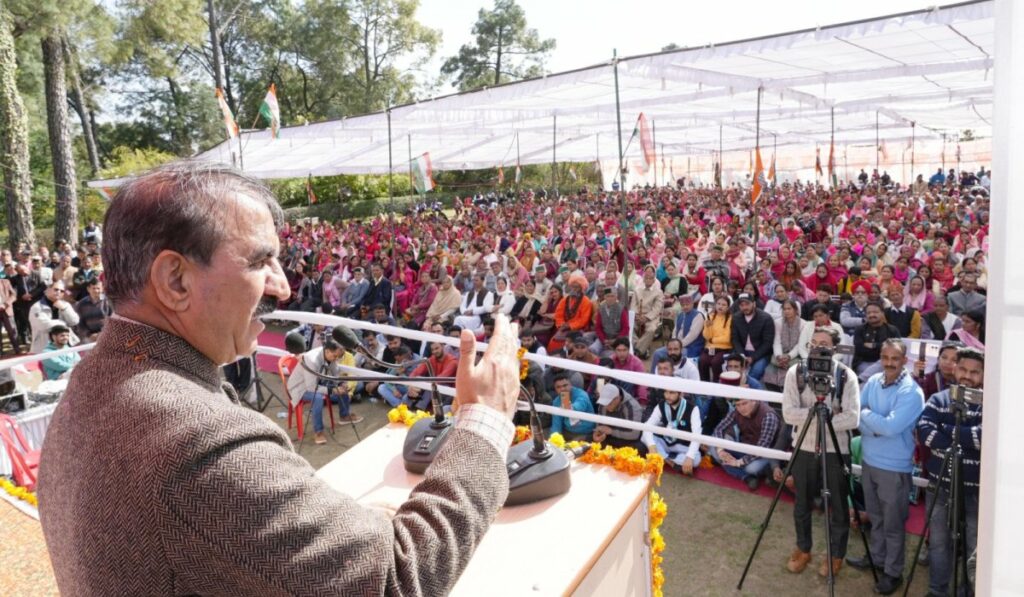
80,108
14,144
217,51
179,138
65,225
497,61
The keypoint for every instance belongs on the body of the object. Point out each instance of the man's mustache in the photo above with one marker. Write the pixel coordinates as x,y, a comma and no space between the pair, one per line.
267,305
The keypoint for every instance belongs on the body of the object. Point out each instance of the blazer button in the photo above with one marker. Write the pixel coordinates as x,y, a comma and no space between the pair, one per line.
132,341
140,357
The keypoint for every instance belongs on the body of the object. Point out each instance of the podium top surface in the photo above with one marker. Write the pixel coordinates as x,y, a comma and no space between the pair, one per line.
569,532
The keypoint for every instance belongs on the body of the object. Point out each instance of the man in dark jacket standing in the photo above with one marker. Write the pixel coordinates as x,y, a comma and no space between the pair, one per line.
753,336
380,289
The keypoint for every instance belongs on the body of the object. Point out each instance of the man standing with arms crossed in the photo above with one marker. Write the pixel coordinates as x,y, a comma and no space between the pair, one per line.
890,404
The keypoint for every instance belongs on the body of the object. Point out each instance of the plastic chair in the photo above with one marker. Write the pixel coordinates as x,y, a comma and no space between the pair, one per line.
285,366
24,460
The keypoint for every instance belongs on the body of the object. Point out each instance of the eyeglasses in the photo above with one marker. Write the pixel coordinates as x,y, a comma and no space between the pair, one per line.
813,345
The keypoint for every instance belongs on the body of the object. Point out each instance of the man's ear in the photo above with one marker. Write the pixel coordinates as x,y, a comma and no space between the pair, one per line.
171,278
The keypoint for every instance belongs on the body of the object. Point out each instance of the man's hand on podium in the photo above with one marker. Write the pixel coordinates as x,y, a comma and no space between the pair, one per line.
494,381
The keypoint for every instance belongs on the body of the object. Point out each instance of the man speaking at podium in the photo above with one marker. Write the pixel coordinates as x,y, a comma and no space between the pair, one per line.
155,481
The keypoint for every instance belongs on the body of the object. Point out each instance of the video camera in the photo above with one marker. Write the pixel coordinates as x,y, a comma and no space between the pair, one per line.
820,371
965,395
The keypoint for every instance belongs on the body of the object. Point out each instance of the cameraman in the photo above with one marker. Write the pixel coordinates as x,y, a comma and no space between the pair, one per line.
797,401
937,430
305,386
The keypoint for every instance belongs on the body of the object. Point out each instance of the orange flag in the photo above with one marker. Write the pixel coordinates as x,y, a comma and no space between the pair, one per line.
759,181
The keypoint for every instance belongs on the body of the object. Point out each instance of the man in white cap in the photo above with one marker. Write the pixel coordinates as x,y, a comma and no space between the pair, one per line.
613,401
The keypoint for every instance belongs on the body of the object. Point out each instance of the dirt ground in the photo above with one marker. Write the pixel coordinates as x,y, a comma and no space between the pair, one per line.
709,531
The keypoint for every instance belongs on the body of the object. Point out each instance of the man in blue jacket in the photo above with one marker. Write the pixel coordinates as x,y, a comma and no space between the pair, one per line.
890,404
570,397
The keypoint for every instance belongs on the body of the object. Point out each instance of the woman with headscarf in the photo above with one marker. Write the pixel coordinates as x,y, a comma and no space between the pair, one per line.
445,304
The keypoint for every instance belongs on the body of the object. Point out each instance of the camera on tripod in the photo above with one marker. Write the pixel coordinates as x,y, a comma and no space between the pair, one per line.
820,371
964,395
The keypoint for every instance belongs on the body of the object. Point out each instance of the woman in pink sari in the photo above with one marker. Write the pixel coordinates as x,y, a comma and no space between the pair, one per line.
973,331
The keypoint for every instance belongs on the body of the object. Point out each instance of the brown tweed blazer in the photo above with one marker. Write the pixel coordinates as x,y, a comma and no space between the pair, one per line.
154,481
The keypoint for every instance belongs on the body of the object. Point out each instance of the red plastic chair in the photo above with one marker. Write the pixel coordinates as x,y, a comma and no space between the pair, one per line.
285,366
24,460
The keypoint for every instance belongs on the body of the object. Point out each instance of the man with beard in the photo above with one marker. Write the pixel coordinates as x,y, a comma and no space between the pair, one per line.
678,414
573,313
868,340
681,366
753,335
937,430
612,321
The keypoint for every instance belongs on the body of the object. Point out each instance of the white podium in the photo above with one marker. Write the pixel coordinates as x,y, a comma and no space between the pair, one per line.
591,541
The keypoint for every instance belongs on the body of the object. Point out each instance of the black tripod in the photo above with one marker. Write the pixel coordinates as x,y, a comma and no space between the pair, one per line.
821,413
952,467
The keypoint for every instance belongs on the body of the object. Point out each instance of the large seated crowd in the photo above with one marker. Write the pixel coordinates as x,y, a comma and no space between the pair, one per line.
686,280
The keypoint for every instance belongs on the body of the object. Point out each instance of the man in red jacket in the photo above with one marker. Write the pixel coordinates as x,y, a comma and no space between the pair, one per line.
441,363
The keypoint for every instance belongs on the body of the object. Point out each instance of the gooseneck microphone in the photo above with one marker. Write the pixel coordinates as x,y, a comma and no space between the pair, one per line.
536,470
426,437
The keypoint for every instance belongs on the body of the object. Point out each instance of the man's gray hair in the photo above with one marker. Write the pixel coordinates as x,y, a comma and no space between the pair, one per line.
183,207
832,333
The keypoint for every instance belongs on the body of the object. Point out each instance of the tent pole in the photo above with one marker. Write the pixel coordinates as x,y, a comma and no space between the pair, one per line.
913,128
654,142
618,120
624,240
943,152
832,149
878,147
518,172
554,142
721,168
775,151
391,190
408,137
757,150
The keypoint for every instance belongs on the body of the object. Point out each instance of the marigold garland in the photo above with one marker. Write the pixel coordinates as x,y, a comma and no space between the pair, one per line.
628,461
402,414
19,492
524,365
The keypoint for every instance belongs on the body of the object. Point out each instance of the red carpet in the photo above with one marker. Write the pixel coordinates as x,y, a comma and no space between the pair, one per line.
266,362
915,521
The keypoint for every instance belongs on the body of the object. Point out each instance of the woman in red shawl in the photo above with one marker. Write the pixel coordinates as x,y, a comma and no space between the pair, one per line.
820,276
942,274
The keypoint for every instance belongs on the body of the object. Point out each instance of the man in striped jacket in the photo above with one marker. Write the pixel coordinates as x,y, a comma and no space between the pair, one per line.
937,430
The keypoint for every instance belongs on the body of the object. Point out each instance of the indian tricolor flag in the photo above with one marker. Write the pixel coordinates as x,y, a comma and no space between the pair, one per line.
501,174
759,180
270,111
422,174
229,120
771,171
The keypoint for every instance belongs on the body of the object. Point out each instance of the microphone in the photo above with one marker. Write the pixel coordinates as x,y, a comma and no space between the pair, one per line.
426,437
347,338
536,470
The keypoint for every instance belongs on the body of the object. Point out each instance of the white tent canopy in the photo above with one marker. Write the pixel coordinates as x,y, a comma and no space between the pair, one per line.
932,68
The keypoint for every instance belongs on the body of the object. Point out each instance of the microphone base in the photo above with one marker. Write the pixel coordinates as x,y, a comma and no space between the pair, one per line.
424,441
534,477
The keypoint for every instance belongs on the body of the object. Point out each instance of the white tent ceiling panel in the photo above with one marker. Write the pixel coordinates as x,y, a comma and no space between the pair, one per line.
932,67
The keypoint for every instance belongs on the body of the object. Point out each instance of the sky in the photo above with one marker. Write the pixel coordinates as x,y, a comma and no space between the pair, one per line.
587,31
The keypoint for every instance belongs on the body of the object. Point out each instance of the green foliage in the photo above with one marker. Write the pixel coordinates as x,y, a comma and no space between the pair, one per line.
126,161
505,49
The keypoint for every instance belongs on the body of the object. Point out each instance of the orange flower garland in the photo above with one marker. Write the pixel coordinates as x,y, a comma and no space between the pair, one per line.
628,461
524,365
402,414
